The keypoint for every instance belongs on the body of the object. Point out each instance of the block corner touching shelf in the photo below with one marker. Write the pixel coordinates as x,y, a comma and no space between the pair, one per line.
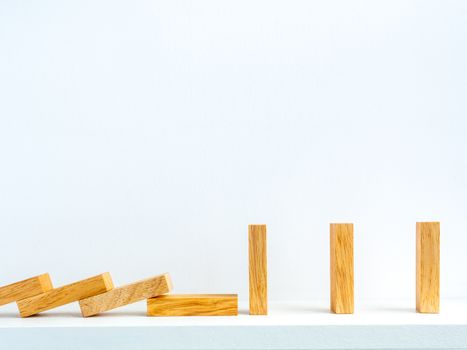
291,325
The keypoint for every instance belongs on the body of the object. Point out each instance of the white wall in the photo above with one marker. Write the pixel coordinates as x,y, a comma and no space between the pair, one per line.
141,137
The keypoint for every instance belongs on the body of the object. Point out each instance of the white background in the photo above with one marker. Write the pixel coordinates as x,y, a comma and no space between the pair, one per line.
140,137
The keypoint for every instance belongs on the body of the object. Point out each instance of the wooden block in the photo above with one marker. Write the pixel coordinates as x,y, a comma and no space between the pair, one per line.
194,305
427,270
128,294
25,289
342,283
65,295
258,275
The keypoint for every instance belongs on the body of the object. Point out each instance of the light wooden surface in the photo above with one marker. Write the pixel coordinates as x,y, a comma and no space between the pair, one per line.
427,269
25,289
128,294
258,273
193,305
65,295
342,269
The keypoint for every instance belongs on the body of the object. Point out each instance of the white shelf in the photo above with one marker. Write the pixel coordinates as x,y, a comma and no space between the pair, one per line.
305,325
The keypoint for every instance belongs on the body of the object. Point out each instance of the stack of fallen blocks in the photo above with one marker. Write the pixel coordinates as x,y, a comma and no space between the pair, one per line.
97,294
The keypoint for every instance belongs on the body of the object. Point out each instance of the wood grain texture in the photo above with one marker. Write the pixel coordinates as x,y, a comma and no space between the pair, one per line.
427,267
128,294
342,269
25,289
65,295
194,305
258,273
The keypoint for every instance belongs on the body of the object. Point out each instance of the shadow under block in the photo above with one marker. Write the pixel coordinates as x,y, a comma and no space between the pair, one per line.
66,294
25,289
258,273
427,267
342,269
128,294
194,305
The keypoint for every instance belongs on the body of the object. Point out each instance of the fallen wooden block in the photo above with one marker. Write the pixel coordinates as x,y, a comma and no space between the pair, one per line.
128,294
194,305
25,289
427,270
65,295
258,272
342,283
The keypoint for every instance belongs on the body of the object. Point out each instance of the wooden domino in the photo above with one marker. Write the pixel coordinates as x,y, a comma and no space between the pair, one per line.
258,274
427,267
193,305
342,270
25,289
128,294
64,295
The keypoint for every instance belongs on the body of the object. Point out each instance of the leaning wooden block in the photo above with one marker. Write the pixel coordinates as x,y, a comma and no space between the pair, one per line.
342,283
25,289
258,271
128,294
427,270
65,295
194,305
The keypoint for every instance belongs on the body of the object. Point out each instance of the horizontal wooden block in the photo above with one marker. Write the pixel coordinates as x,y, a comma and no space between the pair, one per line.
194,305
427,267
25,289
128,294
65,295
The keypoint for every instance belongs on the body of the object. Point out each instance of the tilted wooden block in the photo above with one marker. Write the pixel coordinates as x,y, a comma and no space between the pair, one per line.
194,305
25,289
258,273
128,294
427,270
342,282
65,295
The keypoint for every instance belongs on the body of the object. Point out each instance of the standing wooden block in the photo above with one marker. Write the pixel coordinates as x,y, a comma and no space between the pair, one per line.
128,294
65,295
25,289
194,305
342,284
427,270
258,269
